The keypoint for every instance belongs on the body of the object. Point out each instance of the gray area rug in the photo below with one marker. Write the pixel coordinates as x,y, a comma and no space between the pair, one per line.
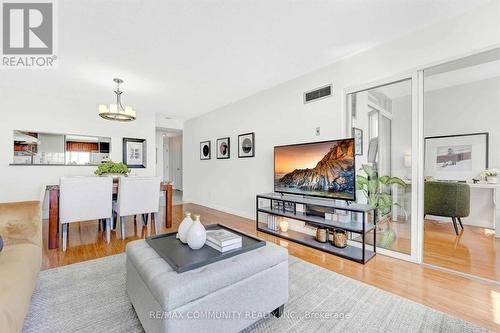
91,297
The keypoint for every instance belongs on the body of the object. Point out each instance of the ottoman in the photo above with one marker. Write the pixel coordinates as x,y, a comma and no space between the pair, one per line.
226,296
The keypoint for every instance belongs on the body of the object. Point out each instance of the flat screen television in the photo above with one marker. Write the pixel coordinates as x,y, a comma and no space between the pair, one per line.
322,169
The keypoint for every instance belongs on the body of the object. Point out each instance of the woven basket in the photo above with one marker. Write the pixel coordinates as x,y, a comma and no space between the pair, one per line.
339,238
321,235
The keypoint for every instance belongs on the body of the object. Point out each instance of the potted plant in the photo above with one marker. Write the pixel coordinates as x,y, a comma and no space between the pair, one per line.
490,175
371,185
112,168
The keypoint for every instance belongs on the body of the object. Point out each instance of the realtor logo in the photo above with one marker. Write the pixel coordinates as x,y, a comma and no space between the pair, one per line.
28,34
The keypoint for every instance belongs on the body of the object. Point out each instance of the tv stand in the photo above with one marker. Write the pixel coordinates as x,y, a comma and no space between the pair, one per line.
284,206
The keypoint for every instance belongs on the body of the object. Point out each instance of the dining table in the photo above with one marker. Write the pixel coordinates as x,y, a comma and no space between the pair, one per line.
53,195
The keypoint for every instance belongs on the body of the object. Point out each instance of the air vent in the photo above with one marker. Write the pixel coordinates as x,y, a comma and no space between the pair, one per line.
316,94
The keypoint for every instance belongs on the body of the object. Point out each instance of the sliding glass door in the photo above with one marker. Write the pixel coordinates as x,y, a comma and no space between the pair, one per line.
380,118
436,125
461,109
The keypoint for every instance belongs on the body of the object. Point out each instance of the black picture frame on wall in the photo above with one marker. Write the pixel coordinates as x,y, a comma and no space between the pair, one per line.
357,134
205,150
246,145
223,148
456,157
134,152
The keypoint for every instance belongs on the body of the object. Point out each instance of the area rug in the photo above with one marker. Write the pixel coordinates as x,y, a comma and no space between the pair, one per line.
91,297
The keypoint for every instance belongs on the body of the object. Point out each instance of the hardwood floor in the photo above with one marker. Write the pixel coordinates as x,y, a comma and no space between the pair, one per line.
470,300
474,251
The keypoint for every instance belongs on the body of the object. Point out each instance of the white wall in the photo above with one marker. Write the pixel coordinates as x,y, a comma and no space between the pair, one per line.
159,148
278,115
466,108
461,109
401,135
59,114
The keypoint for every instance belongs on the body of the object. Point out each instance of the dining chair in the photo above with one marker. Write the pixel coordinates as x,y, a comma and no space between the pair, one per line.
83,199
137,196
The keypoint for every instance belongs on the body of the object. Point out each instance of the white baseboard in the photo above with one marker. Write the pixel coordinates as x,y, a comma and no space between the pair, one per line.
221,208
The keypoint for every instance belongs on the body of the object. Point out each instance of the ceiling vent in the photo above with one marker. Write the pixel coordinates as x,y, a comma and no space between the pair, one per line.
317,94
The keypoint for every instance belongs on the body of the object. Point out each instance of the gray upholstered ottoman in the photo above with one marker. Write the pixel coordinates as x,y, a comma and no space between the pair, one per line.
226,296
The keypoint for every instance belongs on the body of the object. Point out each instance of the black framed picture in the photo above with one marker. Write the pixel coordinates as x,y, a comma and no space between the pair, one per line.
246,145
205,150
134,152
456,157
223,148
357,134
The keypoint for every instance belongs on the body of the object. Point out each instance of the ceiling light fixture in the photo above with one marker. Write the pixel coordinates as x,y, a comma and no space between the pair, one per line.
116,111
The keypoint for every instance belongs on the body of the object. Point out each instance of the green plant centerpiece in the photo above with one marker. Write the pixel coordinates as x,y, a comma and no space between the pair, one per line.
112,168
371,185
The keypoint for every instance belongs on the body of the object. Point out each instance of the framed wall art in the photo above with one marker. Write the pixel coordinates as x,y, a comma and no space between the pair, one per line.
223,148
134,152
357,134
456,157
246,145
205,150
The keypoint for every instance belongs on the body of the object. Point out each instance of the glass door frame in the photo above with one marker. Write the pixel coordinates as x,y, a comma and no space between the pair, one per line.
417,139
417,176
421,93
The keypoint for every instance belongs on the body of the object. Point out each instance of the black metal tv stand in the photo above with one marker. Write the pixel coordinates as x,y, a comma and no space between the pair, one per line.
285,206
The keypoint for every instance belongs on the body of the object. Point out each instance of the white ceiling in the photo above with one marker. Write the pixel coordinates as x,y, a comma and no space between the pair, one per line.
184,58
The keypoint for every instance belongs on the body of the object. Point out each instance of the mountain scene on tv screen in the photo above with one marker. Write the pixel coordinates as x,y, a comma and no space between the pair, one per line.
333,175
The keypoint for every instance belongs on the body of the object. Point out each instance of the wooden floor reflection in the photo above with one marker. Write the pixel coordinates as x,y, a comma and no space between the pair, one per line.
474,251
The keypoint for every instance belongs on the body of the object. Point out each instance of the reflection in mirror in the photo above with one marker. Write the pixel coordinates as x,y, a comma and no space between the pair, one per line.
32,148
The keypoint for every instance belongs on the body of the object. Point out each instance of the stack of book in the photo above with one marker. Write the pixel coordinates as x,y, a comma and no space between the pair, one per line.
272,222
223,240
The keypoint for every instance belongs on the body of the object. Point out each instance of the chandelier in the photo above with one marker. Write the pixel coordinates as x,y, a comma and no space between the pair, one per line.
116,111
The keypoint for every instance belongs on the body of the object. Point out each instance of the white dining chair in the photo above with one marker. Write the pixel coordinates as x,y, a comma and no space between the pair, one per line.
137,196
84,199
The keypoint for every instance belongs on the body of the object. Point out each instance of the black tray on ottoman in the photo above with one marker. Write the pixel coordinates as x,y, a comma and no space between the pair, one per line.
182,258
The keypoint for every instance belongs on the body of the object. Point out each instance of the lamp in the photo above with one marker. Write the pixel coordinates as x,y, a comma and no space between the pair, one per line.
284,226
116,111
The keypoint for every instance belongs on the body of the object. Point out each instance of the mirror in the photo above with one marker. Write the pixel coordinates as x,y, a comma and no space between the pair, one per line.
33,148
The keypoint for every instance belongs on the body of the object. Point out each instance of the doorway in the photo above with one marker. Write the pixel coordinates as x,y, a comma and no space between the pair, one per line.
169,160
462,141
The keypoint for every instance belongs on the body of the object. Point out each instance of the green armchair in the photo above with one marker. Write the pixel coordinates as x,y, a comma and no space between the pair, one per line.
448,199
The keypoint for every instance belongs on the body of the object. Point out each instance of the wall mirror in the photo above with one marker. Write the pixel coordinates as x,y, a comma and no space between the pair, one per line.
34,148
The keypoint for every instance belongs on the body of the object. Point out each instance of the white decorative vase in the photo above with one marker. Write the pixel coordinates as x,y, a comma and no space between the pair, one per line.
197,235
184,227
492,180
